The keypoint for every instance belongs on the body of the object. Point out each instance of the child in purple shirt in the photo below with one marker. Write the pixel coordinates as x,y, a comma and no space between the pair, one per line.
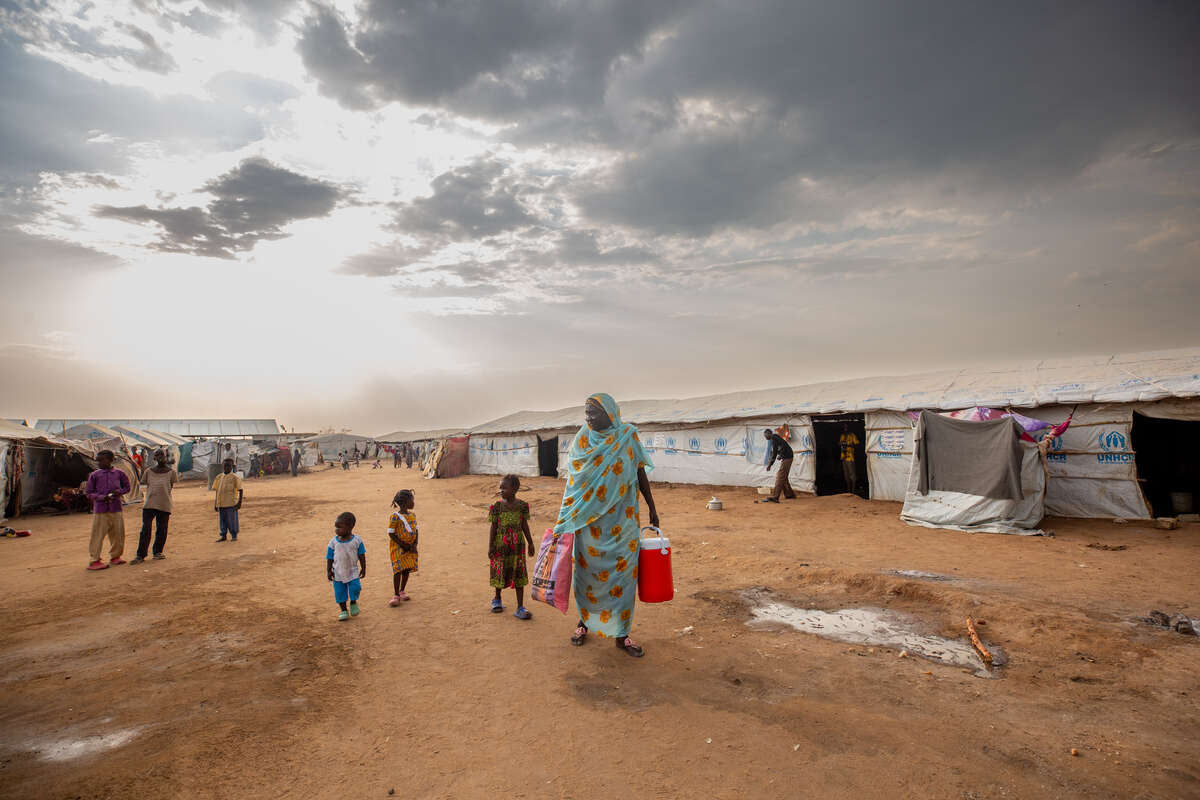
105,487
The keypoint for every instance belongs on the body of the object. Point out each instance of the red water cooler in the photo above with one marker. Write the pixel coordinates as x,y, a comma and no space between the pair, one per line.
655,584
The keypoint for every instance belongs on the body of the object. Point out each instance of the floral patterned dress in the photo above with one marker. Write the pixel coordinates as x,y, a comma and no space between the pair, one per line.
508,569
402,561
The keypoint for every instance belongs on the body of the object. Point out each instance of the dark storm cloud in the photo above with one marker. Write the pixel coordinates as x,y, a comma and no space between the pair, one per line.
53,119
252,202
477,200
493,57
718,110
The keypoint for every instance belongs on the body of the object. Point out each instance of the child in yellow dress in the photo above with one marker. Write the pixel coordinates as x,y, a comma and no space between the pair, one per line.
402,543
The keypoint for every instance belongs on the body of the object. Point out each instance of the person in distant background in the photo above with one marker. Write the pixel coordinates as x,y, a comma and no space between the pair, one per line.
395,458
779,449
105,487
228,501
408,455
228,452
295,460
847,442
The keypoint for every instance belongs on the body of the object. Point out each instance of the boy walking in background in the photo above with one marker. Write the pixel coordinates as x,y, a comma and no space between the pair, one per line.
105,487
228,486
346,564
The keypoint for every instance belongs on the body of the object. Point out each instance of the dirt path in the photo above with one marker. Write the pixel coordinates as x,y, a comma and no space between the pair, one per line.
221,672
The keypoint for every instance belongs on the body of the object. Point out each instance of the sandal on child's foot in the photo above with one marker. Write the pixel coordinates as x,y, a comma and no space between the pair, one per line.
354,609
404,596
342,617
626,644
580,635
497,606
395,601
522,613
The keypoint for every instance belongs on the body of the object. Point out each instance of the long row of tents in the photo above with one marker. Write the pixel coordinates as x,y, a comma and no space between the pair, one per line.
1125,443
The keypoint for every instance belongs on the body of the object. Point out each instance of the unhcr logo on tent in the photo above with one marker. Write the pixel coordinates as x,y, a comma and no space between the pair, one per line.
693,446
1056,444
670,448
1113,443
721,446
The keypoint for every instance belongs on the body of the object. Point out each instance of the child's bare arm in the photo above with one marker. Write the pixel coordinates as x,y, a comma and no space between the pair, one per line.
362,565
528,535
329,568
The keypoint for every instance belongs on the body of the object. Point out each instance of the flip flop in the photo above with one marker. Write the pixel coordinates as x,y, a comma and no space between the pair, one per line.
522,613
626,644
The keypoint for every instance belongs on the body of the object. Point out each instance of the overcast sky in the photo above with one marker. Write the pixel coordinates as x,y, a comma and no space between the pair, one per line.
396,215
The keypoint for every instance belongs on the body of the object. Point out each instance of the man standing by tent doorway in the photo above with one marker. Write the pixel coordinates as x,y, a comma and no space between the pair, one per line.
848,442
779,449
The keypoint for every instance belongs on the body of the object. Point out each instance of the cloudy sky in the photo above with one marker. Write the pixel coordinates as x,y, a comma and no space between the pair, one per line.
388,214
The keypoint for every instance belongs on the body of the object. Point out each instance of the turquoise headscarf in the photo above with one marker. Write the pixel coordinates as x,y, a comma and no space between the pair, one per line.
601,469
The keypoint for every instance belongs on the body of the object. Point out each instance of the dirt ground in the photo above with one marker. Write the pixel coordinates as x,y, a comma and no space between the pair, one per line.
222,672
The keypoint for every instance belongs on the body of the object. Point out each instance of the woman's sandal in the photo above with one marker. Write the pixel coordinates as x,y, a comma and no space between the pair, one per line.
626,644
580,635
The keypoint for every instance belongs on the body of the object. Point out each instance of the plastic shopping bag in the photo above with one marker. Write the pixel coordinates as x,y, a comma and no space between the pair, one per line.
551,579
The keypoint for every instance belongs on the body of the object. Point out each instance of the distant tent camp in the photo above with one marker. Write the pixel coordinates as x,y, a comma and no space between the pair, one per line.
444,449
330,444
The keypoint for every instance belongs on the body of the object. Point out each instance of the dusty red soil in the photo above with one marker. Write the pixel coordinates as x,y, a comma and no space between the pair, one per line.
221,672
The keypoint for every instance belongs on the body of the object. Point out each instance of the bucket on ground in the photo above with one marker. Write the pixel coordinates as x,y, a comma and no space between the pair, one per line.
655,584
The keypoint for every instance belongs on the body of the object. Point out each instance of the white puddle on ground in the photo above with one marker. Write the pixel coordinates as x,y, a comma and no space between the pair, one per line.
919,575
69,749
872,626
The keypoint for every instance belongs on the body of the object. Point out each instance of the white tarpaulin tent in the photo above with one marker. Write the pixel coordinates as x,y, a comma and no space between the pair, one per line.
209,456
717,439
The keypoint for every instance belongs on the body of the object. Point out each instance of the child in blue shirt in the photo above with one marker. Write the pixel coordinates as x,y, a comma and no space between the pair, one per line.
346,564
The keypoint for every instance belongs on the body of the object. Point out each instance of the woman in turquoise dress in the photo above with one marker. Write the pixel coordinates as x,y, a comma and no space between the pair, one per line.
606,468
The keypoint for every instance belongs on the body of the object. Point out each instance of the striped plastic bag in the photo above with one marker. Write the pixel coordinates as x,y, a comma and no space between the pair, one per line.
551,579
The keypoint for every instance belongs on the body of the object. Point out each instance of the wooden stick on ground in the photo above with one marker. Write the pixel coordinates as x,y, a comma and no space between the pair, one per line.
983,651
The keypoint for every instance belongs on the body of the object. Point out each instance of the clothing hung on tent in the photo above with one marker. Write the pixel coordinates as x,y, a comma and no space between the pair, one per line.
980,458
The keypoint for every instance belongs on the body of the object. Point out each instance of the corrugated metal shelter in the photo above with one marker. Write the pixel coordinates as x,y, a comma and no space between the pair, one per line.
717,439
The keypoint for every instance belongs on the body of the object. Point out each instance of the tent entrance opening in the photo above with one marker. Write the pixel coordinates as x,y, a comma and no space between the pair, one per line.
1167,454
548,457
832,435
